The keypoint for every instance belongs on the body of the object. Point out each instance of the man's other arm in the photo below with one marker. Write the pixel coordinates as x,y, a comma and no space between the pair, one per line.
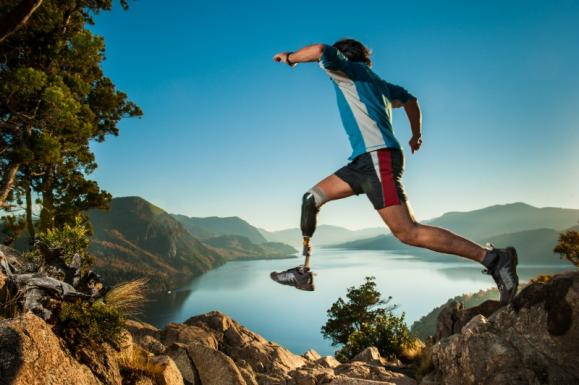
310,53
412,109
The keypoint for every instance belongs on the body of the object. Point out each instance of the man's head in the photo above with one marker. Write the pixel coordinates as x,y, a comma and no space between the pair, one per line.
354,50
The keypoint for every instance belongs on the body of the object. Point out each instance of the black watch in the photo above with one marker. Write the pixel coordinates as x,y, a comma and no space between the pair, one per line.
288,61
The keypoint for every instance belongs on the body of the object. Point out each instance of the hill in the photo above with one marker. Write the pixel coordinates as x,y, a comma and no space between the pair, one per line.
238,247
205,228
533,231
135,238
325,235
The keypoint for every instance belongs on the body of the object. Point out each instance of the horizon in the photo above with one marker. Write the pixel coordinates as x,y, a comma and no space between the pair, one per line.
227,132
344,227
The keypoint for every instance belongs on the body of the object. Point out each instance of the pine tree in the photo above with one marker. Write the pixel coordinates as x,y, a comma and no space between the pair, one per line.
54,101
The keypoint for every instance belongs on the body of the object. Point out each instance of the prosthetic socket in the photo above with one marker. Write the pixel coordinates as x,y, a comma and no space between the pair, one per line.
311,202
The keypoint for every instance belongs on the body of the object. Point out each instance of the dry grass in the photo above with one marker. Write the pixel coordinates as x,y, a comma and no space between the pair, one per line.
412,351
135,359
128,297
9,303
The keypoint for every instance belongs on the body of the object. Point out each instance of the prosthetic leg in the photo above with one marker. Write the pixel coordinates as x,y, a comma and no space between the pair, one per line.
301,277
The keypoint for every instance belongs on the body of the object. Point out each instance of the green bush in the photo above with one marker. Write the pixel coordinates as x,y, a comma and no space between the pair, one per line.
568,246
366,320
95,321
71,239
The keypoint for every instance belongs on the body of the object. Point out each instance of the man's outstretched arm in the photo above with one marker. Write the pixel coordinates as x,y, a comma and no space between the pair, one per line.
412,109
310,53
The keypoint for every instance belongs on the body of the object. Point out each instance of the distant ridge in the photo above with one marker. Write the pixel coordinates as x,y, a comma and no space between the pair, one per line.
534,231
324,235
209,227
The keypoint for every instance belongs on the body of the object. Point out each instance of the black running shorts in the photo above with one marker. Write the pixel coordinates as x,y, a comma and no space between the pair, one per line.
378,174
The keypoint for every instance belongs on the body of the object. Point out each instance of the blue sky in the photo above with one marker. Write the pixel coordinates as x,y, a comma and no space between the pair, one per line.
226,131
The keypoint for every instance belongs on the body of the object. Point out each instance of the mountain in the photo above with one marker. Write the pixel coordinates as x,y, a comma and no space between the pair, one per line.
508,218
534,231
325,235
204,228
134,238
238,247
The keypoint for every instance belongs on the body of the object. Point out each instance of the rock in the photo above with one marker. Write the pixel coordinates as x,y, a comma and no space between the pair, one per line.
139,329
362,370
328,362
242,345
311,355
214,367
30,351
532,341
454,316
143,381
371,356
102,361
341,380
187,334
178,352
168,373
152,345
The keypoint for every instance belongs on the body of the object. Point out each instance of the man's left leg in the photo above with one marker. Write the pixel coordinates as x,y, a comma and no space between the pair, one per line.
400,219
500,263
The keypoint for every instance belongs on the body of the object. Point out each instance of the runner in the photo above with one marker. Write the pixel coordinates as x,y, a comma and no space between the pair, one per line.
365,102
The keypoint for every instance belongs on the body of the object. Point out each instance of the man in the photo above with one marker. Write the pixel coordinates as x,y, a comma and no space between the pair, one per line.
365,102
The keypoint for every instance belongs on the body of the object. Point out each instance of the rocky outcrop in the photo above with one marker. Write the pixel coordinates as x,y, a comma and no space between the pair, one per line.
532,341
30,352
213,349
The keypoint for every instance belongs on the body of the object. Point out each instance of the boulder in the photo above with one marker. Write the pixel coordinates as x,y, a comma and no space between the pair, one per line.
242,345
214,367
152,345
30,351
532,341
362,370
371,356
341,380
167,371
187,334
139,329
454,316
328,362
311,355
178,352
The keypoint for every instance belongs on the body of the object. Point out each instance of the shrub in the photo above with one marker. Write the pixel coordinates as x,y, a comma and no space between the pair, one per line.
70,239
366,320
568,246
95,321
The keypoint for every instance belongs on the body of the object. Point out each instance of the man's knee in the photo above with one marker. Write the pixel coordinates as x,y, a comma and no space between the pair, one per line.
407,234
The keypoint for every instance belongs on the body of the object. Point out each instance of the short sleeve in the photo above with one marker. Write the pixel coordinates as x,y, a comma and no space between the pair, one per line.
399,93
333,60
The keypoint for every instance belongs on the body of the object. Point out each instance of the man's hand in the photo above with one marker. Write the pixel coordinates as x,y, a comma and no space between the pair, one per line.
415,143
282,57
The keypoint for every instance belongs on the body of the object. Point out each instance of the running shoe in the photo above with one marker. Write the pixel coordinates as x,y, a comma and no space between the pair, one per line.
299,277
501,264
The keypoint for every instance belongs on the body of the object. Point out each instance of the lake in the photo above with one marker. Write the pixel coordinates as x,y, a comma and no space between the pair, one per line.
293,318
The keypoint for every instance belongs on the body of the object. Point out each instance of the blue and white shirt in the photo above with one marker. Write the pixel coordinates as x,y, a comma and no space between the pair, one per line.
365,102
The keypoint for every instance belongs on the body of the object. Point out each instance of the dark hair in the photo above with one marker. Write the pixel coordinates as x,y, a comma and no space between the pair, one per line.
354,50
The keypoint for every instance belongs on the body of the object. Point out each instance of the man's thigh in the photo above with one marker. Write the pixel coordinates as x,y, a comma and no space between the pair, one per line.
398,218
332,188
